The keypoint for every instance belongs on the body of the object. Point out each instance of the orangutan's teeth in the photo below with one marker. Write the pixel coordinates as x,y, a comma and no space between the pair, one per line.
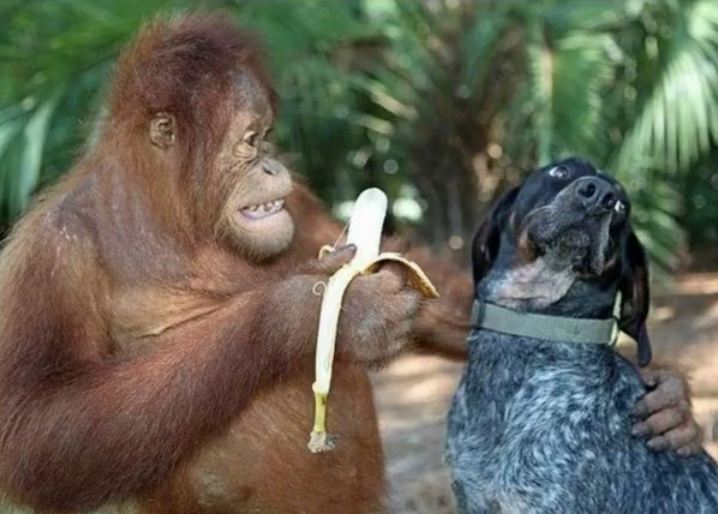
260,211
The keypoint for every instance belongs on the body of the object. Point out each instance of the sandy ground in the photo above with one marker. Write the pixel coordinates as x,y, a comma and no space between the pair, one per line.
414,393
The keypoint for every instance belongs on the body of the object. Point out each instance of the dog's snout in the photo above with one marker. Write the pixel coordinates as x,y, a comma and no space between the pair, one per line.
595,194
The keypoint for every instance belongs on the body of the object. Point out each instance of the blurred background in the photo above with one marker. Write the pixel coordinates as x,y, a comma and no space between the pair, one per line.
444,104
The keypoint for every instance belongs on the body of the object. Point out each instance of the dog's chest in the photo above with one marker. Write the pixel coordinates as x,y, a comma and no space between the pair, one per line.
525,409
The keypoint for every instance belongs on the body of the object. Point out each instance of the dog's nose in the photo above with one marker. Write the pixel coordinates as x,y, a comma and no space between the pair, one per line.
596,194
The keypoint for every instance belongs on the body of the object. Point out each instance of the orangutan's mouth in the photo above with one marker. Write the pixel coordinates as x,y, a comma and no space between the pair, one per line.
264,210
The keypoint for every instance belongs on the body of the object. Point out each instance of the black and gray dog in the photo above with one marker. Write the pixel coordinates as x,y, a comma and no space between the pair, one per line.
540,422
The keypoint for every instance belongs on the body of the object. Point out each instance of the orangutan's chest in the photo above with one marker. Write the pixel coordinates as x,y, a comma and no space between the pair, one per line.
263,460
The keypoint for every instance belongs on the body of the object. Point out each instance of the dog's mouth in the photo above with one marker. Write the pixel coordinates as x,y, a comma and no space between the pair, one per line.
569,238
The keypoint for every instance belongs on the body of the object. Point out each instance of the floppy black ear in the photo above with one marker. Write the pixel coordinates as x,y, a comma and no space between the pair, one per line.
485,247
635,296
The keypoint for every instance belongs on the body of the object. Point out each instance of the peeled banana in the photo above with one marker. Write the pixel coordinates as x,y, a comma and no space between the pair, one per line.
365,227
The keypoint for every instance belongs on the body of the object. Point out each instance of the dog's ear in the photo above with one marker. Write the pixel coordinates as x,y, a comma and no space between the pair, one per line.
485,247
635,296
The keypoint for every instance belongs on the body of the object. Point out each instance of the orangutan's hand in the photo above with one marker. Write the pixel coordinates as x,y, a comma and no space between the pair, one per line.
665,414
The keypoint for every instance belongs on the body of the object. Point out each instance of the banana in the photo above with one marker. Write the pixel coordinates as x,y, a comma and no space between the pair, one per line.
365,227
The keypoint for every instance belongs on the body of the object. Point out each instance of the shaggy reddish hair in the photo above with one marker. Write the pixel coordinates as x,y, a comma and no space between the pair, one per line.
181,64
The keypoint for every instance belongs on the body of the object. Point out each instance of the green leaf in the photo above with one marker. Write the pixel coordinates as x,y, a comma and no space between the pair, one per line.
34,136
677,120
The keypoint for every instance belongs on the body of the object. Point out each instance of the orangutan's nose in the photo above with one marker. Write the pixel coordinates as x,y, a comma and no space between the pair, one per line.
273,167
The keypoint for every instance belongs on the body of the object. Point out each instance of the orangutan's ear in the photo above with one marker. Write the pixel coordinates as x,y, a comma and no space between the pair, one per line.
162,130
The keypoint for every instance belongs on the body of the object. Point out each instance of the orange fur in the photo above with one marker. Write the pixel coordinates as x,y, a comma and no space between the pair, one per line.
143,362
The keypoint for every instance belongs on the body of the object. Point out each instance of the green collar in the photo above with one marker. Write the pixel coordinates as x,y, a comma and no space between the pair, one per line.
541,326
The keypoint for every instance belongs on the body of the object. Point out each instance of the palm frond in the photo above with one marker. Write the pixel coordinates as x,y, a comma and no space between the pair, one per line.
71,45
678,118
540,84
582,70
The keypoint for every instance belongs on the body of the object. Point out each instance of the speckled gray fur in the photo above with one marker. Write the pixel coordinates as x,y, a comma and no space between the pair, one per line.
542,427
539,427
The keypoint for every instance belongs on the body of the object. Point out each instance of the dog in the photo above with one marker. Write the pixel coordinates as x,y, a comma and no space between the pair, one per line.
540,422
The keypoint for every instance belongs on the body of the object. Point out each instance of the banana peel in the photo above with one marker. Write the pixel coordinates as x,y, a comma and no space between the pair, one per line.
416,276
320,440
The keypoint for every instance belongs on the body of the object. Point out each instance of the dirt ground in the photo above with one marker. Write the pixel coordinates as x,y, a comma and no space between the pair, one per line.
414,393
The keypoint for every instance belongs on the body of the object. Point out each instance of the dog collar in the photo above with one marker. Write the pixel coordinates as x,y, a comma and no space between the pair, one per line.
541,326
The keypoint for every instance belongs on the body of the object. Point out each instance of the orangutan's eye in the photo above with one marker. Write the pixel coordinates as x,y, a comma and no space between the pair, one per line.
250,138
559,172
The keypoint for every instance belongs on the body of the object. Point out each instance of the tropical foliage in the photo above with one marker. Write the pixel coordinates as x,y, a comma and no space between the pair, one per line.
443,103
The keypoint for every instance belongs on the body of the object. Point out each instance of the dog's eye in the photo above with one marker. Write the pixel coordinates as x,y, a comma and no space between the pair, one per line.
558,172
620,207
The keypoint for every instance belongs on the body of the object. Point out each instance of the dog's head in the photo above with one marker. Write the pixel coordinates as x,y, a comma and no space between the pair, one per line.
575,220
